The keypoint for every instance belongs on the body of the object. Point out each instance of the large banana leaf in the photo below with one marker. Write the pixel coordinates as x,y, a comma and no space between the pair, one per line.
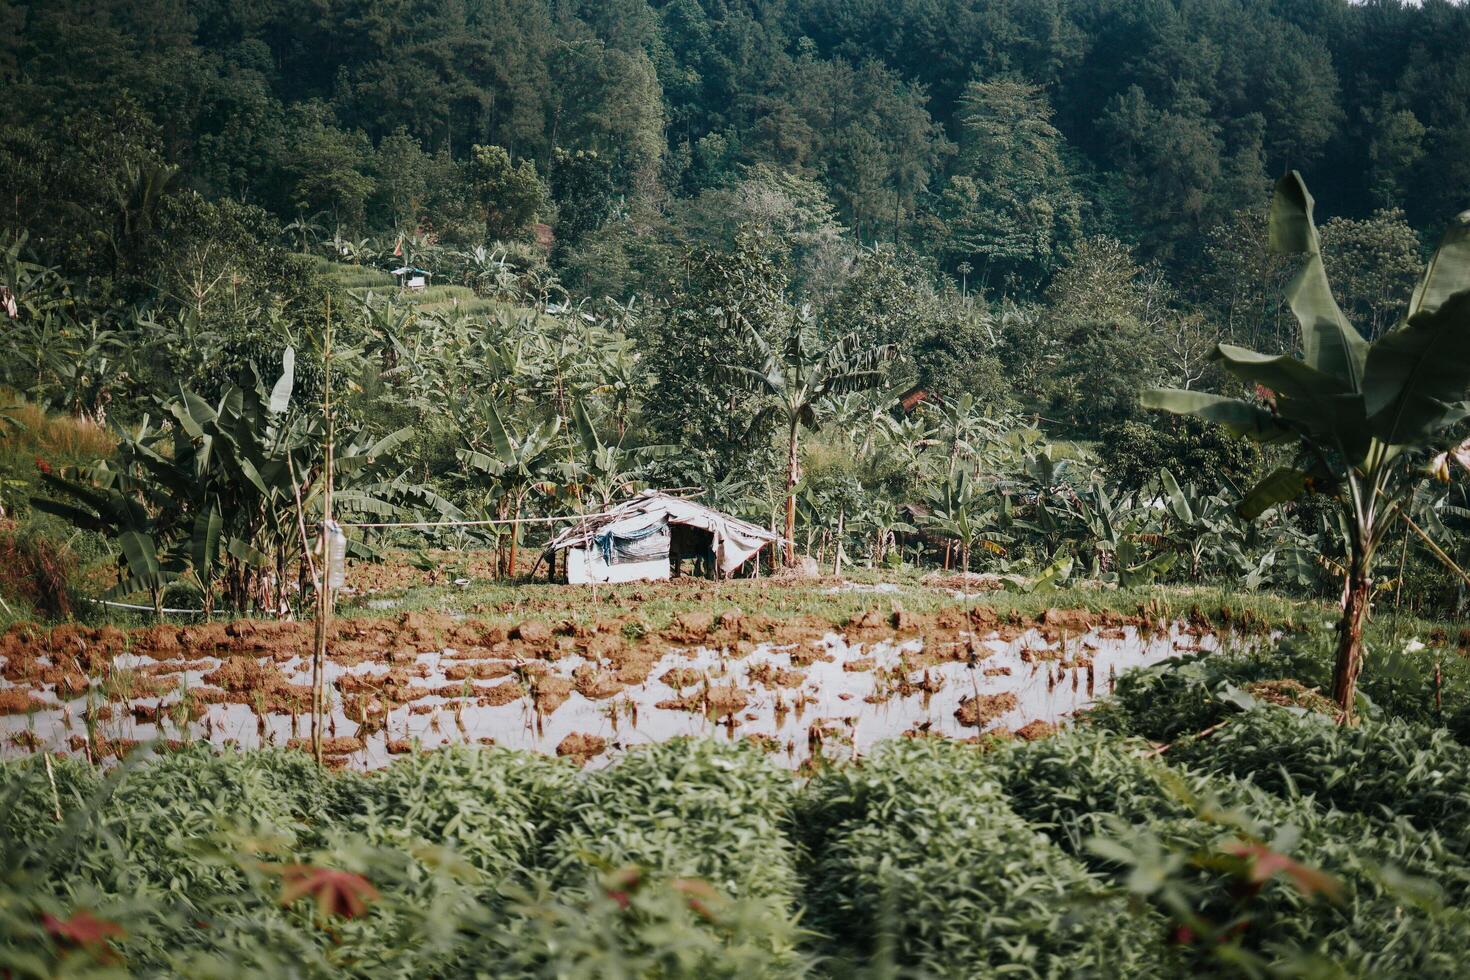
1178,502
141,555
204,544
1330,344
1241,418
1277,487
1448,272
1419,375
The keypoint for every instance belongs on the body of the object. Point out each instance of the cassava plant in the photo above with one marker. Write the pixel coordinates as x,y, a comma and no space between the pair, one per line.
1365,417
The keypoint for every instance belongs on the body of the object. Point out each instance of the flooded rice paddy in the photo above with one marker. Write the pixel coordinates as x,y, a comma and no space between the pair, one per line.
418,683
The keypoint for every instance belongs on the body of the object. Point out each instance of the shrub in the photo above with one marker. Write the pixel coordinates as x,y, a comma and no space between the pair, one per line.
1388,770
695,808
917,856
1167,834
688,814
492,807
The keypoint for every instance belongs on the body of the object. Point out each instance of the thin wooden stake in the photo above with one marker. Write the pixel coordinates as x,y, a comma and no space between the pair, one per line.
324,585
1438,693
837,551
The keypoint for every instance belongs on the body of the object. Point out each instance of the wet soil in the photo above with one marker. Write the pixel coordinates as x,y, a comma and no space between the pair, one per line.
800,687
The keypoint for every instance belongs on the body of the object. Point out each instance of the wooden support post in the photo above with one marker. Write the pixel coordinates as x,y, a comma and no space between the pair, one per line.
324,583
837,549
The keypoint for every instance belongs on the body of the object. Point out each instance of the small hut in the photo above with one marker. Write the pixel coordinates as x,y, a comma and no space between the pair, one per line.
650,536
412,278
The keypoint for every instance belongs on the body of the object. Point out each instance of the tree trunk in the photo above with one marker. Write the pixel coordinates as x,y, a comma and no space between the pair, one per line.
1350,636
792,464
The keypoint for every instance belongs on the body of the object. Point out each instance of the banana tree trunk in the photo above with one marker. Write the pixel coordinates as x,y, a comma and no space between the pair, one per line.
515,534
1350,635
792,466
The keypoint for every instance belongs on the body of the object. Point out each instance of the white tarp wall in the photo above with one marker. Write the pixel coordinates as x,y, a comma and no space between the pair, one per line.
586,566
642,524
634,549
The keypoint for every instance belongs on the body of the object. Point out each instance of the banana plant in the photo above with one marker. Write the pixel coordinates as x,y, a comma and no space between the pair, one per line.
516,462
957,511
223,496
1118,534
1202,526
801,377
605,469
885,522
1364,417
963,431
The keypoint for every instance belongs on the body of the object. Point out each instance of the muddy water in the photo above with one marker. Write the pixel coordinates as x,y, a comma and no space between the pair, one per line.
828,697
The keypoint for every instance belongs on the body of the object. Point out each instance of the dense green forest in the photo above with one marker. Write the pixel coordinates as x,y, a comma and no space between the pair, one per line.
1016,215
1035,198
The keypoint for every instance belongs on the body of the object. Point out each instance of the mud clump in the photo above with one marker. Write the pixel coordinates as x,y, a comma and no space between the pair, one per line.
550,692
809,654
14,701
498,695
27,740
145,715
718,701
532,631
594,683
682,677
581,747
483,670
337,745
904,621
773,676
243,674
1036,729
978,712
70,686
766,743
691,627
858,666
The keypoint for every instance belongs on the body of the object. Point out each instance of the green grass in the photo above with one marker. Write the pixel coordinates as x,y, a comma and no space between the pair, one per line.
658,604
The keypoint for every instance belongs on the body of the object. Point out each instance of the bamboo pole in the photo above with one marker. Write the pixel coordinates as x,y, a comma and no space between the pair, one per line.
324,584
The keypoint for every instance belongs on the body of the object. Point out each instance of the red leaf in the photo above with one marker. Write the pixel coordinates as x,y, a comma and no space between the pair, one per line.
82,929
1265,864
336,892
699,896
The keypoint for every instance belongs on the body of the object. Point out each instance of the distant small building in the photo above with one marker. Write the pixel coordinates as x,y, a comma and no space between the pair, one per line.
649,536
411,278
913,398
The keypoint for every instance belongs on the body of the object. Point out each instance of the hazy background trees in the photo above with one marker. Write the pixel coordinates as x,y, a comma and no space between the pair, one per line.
1037,200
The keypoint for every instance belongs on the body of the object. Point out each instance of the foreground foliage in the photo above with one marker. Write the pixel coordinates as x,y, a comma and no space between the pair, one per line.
1266,841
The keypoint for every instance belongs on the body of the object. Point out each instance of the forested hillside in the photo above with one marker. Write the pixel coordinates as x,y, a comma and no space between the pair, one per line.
1027,210
1063,161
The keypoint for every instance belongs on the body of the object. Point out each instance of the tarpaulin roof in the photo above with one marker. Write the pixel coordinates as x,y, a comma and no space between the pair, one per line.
734,540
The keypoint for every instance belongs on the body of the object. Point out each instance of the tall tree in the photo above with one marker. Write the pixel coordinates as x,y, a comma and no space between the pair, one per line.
1010,208
800,377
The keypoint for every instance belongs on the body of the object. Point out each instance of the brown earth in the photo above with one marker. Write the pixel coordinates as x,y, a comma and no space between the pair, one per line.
580,747
978,712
